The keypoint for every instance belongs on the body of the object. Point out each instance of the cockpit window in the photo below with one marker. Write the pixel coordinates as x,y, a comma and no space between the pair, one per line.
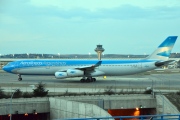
9,64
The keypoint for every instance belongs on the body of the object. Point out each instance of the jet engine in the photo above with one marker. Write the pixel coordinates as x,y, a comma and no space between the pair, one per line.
60,75
74,72
69,73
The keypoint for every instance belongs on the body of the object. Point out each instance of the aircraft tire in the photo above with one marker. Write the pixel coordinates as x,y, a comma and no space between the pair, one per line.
82,80
20,79
87,80
91,80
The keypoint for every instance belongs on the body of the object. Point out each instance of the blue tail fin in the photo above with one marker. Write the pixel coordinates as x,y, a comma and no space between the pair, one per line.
164,49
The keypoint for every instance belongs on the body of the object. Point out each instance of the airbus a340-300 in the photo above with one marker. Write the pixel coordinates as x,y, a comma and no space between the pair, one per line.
88,69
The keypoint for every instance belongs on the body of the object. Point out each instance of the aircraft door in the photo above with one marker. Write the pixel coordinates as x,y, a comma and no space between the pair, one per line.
139,65
47,65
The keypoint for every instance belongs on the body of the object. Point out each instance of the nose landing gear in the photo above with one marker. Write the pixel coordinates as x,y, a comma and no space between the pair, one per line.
19,77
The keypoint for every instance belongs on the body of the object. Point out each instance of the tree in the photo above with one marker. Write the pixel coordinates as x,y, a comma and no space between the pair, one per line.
17,94
109,90
2,95
40,90
27,95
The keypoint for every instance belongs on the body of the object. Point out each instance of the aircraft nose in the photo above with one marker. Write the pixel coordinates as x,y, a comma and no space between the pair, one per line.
4,68
7,69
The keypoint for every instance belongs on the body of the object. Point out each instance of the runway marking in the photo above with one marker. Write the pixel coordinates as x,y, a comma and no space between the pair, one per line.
174,71
108,79
129,79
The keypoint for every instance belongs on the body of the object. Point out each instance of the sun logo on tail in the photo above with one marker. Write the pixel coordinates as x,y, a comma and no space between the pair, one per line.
164,49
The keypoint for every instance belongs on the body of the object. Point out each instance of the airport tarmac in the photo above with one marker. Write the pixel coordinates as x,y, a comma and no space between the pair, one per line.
157,81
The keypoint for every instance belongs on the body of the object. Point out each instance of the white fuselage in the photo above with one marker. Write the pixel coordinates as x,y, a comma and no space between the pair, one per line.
107,67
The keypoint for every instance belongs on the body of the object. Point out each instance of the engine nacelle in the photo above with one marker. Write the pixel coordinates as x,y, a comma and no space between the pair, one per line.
74,73
60,75
69,73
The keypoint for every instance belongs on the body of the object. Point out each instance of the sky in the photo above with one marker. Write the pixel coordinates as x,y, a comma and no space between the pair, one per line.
77,26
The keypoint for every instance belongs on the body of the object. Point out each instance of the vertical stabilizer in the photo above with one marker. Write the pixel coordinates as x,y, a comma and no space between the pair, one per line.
164,50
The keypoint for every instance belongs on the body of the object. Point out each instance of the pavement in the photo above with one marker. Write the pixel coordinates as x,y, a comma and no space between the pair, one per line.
163,82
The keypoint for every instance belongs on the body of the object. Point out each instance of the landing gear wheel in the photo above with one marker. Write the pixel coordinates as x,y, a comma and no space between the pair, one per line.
94,79
88,79
82,80
91,80
19,79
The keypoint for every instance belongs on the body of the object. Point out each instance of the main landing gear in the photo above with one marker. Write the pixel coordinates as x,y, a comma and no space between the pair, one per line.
88,79
19,77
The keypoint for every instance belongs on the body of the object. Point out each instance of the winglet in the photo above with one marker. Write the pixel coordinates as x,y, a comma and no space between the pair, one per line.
164,49
98,64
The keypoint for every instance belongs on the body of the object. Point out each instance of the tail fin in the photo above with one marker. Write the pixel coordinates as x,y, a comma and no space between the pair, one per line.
164,50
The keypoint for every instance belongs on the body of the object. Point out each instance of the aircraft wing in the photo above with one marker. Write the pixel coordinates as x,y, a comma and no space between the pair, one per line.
162,63
90,67
85,68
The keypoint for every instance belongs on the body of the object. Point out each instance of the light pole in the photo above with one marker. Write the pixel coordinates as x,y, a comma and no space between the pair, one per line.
59,55
162,96
89,55
152,86
28,55
11,103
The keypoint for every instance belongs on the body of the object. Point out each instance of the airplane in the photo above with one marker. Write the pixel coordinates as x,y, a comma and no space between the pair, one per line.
88,69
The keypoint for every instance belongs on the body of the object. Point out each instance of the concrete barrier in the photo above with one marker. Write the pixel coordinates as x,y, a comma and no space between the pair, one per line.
85,106
164,106
60,109
24,105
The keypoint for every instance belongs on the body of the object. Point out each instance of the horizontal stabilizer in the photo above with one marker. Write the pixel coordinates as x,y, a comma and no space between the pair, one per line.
162,63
